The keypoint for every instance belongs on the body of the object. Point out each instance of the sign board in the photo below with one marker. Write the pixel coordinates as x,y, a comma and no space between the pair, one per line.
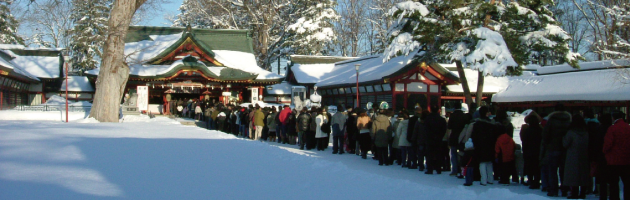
254,96
226,94
143,97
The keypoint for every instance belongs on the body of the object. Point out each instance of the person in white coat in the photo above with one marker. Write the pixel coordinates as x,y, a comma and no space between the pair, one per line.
320,135
403,144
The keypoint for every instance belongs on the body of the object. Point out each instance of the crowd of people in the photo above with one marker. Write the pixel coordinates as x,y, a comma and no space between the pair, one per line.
561,154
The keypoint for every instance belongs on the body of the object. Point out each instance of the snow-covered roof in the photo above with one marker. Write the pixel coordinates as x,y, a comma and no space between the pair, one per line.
243,61
39,66
491,84
311,73
142,51
77,84
146,70
283,88
372,68
145,50
604,64
594,85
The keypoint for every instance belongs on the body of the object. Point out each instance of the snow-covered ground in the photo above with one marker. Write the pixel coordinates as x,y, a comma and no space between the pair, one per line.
159,158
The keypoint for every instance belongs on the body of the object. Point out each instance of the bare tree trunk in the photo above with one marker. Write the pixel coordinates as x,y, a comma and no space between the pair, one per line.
479,96
464,82
114,72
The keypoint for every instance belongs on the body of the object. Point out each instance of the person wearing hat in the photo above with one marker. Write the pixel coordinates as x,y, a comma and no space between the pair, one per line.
364,133
382,134
338,126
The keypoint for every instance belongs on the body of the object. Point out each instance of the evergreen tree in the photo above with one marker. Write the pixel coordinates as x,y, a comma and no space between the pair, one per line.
472,34
313,34
90,19
8,25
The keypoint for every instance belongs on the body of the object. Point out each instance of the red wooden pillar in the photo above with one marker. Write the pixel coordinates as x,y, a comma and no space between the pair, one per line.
405,95
1,99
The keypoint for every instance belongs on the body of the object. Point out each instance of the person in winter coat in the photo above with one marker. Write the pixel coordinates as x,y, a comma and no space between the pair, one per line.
381,130
456,123
351,131
283,116
504,153
608,186
320,135
303,126
552,151
271,125
435,126
484,139
394,153
208,114
291,127
503,119
338,128
413,151
259,122
221,116
617,151
252,127
577,167
364,133
531,137
420,139
403,143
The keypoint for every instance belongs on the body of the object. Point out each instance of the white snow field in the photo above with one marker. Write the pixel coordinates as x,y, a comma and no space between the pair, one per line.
141,158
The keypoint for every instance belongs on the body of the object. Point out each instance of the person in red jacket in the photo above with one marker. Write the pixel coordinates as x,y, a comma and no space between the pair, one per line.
283,116
504,153
617,151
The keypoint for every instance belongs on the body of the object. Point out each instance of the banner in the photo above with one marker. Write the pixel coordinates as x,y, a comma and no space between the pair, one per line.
143,98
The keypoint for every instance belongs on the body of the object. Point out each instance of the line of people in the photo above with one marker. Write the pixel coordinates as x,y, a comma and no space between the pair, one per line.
559,154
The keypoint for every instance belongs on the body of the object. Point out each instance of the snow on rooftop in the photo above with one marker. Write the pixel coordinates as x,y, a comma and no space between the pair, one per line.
491,84
142,51
372,68
311,73
594,85
604,64
77,84
39,66
11,46
283,88
243,61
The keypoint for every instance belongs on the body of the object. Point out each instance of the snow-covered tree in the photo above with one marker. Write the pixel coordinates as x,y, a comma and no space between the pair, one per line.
49,23
539,35
8,25
313,34
268,20
608,26
193,13
471,34
90,30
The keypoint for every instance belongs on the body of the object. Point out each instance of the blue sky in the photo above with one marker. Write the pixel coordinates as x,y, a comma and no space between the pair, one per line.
169,8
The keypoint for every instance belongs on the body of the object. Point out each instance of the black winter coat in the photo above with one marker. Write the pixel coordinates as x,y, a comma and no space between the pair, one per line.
419,134
411,137
436,129
484,137
531,137
351,125
303,122
291,130
456,123
553,132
